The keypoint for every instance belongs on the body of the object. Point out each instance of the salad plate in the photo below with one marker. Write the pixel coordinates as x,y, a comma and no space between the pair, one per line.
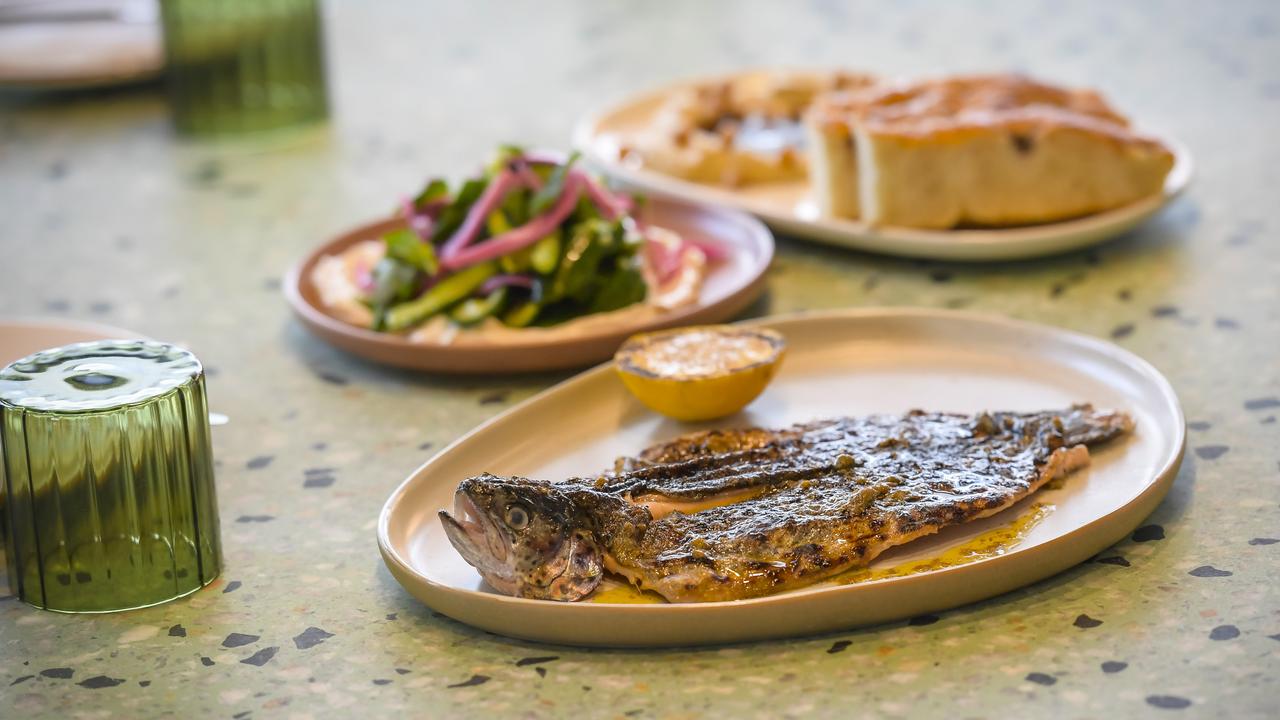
743,246
789,206
849,362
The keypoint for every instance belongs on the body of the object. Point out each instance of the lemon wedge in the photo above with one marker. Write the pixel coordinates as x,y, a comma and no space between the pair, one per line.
702,372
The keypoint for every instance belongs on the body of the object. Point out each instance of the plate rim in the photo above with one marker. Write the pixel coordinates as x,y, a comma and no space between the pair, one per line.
82,78
88,330
1161,478
969,245
321,323
72,324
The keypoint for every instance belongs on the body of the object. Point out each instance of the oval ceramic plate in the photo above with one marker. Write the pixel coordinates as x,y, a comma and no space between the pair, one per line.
788,207
851,362
731,285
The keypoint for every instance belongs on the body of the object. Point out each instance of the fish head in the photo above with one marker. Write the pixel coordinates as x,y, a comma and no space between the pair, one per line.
524,537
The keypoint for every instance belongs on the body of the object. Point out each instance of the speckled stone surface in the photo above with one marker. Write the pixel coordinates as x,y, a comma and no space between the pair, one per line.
105,216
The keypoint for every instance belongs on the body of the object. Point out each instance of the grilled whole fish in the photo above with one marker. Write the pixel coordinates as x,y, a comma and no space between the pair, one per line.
732,514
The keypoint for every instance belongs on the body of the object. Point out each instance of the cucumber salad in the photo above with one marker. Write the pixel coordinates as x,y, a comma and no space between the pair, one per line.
533,241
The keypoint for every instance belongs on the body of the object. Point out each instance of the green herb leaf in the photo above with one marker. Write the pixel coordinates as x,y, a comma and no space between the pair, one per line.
585,211
393,282
504,155
515,206
436,189
583,278
551,190
405,246
452,216
625,286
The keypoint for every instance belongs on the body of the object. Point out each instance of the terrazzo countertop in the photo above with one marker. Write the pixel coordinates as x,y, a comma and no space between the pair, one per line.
104,215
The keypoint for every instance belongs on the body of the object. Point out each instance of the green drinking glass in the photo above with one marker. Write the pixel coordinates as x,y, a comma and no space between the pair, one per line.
244,66
106,485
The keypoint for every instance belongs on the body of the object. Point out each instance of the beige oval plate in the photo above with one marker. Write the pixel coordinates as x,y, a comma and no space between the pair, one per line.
789,208
731,285
849,362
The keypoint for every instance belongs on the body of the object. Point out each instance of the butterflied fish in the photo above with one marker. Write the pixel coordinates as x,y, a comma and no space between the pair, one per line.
732,514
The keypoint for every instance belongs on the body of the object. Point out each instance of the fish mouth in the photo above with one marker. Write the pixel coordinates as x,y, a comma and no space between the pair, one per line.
477,538
485,543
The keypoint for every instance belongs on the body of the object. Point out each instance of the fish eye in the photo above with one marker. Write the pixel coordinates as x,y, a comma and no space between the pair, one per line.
517,516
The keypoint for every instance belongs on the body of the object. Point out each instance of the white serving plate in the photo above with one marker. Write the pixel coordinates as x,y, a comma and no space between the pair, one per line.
78,54
788,207
849,362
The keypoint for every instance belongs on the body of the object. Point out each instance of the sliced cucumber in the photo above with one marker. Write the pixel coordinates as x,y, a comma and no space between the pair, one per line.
473,310
521,315
497,223
516,262
545,254
447,292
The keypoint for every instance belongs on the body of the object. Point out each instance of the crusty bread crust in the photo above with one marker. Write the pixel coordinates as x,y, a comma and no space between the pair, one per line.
980,150
948,97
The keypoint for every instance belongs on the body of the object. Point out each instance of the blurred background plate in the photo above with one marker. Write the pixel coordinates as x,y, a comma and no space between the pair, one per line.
21,337
731,285
789,208
76,44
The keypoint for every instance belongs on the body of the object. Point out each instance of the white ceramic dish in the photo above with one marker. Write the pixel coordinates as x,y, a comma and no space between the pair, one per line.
788,208
80,54
849,362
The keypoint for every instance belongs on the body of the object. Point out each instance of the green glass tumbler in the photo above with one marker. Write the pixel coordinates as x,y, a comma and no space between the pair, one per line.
106,485
244,66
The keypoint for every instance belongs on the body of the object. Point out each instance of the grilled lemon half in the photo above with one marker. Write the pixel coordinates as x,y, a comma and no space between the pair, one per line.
701,372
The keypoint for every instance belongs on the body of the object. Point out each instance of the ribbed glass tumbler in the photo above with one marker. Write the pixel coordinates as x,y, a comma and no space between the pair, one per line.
244,66
106,486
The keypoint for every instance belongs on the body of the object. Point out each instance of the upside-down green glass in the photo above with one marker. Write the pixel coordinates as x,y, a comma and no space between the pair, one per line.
106,485
237,66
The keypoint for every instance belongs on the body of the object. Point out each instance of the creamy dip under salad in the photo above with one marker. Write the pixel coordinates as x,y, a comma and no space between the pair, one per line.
532,245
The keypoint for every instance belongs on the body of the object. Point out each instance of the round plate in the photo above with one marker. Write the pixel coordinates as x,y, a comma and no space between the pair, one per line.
20,338
730,286
788,207
52,55
852,362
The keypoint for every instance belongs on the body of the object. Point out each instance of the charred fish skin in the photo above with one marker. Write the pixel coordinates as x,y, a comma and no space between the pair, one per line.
809,501
705,444
868,484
